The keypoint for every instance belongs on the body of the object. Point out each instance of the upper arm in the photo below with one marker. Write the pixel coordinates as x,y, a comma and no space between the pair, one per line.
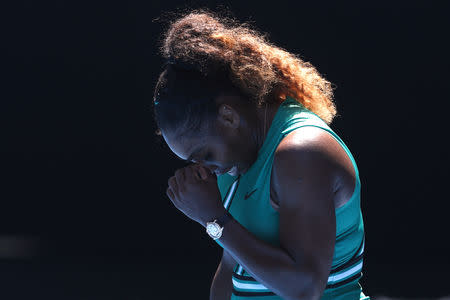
305,166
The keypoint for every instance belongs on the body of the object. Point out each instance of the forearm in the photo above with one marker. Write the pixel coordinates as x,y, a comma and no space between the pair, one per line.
269,265
221,285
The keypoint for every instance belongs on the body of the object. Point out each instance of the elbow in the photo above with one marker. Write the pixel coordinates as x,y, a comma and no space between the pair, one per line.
309,289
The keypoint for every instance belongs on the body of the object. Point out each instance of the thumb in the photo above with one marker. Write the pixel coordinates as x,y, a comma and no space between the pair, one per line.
212,175
209,174
203,172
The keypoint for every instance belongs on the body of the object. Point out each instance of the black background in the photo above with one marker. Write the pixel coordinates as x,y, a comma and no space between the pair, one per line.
83,174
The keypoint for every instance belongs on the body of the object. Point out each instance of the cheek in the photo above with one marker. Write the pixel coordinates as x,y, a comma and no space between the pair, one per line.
224,154
242,154
229,151
233,154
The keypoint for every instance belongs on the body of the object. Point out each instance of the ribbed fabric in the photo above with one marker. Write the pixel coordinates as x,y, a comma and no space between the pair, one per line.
258,216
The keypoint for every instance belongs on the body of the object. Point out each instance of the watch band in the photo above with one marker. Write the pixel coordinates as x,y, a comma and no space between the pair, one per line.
224,218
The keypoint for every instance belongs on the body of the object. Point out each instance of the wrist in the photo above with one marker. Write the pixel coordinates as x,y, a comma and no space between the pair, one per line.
213,216
215,227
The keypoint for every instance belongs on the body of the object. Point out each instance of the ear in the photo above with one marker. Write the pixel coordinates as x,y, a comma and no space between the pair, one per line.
228,116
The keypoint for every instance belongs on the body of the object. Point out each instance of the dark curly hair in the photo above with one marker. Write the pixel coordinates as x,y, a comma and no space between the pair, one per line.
207,55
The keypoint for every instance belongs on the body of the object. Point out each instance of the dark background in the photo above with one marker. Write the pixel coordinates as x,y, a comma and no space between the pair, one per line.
84,213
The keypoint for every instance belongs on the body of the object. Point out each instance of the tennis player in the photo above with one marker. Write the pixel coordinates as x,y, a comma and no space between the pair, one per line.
270,181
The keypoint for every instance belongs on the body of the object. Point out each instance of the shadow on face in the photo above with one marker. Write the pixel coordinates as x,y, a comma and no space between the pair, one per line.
220,145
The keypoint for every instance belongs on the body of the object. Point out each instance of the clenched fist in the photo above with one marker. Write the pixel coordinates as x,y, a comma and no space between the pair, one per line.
194,191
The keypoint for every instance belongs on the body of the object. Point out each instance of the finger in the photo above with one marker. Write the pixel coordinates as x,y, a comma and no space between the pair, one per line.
198,171
180,176
169,194
203,173
191,173
212,176
173,184
172,197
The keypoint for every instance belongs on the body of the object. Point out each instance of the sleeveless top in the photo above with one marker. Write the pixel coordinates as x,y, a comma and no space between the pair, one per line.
258,216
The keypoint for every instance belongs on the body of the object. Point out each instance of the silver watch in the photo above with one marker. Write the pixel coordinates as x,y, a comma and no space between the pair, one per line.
215,228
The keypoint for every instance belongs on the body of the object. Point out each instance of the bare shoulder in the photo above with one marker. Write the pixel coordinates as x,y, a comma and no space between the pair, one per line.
310,138
310,149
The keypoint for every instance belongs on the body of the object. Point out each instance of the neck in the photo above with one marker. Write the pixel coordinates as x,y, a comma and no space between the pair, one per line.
263,126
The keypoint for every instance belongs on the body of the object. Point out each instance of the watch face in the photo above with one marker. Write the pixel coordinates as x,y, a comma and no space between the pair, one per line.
213,229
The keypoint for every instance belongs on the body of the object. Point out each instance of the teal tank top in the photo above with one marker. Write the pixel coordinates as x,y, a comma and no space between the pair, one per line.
258,216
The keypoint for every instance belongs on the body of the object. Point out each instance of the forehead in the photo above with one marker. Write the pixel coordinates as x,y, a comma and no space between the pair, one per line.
183,146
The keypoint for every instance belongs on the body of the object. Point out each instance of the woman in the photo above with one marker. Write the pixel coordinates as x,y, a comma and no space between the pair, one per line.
272,184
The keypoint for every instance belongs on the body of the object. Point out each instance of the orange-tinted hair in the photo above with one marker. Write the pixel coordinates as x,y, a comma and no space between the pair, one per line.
258,68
